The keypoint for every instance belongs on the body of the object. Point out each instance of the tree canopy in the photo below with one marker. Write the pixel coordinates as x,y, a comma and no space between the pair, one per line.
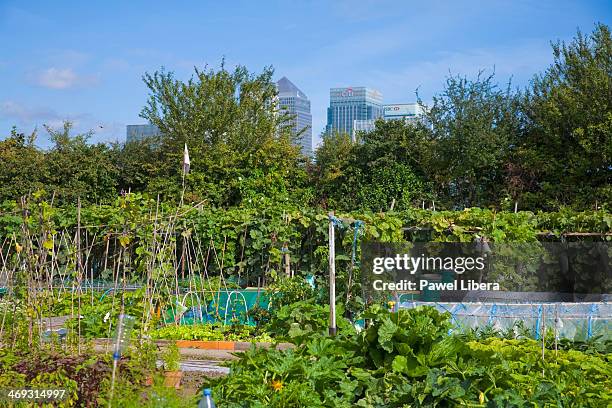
567,143
239,146
479,144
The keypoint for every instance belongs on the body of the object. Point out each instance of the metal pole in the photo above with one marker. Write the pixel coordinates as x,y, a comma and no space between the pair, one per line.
543,336
332,277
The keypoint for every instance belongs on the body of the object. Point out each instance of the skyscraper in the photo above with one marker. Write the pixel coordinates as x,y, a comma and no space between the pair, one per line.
140,132
409,112
295,102
346,105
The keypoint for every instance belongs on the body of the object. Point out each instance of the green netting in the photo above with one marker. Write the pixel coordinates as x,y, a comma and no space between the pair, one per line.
224,306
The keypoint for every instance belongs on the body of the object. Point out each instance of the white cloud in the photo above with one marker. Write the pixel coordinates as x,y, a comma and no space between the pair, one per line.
16,113
24,115
57,78
63,78
519,62
28,118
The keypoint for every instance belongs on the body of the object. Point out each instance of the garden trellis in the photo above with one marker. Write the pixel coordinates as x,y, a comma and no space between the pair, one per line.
59,275
190,259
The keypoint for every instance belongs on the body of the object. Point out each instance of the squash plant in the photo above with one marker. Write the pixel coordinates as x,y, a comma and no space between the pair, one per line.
408,358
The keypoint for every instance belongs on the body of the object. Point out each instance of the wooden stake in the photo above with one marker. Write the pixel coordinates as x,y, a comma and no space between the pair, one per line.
183,260
287,261
79,271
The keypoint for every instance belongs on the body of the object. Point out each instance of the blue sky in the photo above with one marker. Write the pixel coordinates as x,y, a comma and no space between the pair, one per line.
83,61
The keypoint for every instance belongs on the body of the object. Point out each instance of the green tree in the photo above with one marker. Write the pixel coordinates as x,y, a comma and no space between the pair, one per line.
474,125
20,166
331,159
75,169
240,147
384,167
566,154
137,163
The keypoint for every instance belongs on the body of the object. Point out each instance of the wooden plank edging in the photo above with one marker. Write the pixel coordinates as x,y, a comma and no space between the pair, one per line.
212,344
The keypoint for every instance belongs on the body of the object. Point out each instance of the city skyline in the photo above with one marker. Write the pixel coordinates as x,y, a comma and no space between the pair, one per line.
351,109
93,77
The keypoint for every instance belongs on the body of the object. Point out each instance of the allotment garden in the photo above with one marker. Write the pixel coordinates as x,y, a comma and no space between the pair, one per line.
103,301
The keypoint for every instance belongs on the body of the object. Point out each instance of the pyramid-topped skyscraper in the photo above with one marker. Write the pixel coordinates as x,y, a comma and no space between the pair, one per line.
295,102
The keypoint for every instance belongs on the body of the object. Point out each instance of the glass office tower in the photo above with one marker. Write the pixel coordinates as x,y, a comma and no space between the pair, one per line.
140,132
346,105
295,102
408,112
